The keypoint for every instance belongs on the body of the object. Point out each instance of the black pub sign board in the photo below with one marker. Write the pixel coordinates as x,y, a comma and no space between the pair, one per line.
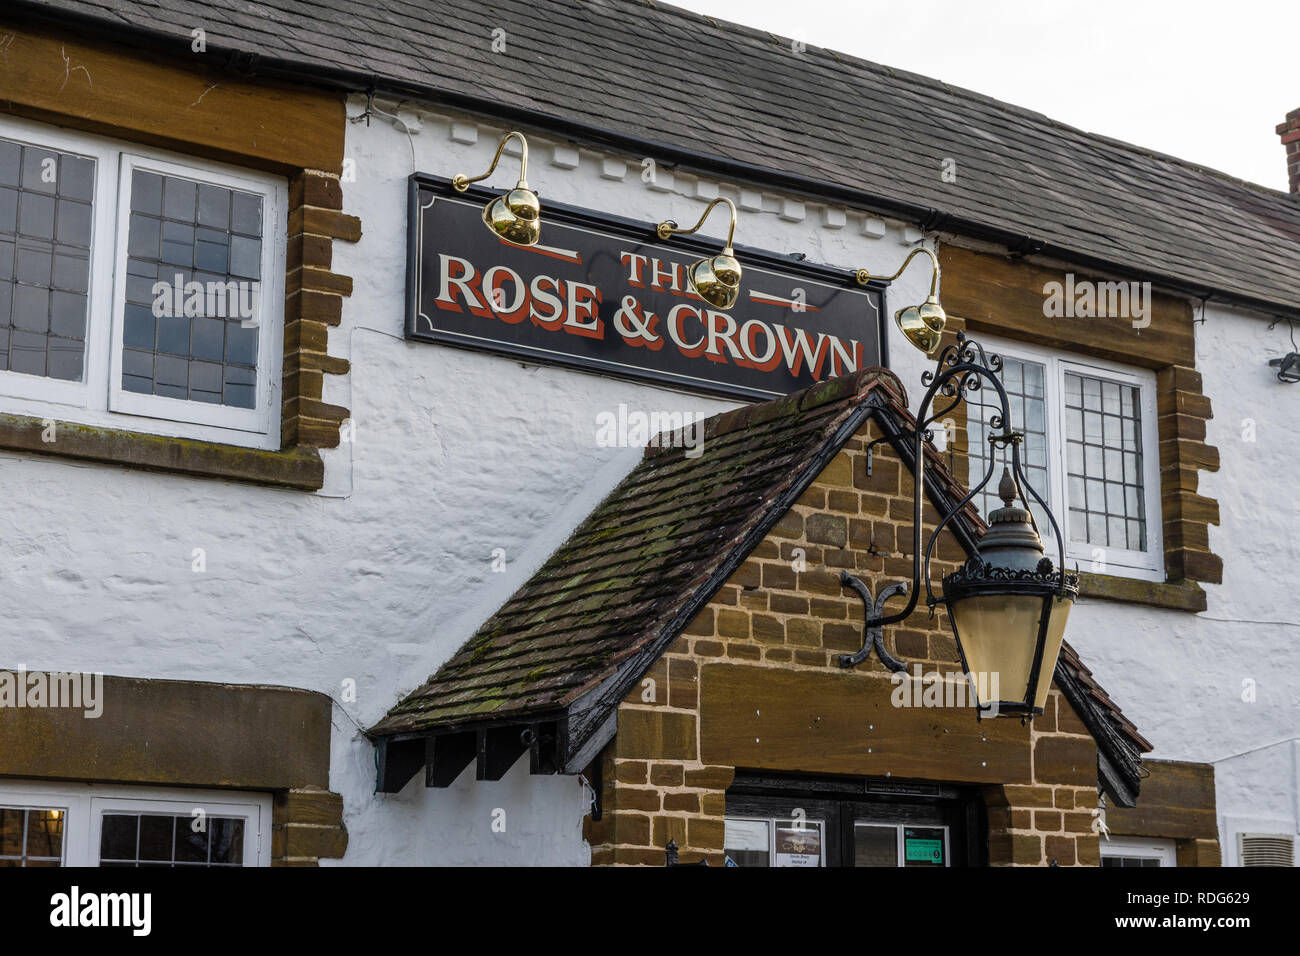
605,294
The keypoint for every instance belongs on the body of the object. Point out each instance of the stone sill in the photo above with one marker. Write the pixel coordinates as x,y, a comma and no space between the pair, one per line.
300,469
1173,595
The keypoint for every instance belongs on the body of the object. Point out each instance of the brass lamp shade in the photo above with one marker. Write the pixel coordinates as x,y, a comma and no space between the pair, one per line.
1009,607
923,324
516,216
716,280
932,314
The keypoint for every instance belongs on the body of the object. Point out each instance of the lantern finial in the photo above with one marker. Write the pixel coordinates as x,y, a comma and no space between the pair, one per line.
1007,490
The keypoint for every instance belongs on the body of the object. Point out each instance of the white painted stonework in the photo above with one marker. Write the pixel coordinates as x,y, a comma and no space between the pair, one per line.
381,576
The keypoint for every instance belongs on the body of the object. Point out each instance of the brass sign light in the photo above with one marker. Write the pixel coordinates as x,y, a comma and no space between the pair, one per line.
716,280
922,324
516,215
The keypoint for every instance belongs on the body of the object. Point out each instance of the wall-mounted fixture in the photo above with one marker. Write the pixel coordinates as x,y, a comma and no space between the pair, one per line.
922,324
714,279
1288,367
515,216
1009,602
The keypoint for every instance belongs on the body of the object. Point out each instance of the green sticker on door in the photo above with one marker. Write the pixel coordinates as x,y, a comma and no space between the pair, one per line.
922,849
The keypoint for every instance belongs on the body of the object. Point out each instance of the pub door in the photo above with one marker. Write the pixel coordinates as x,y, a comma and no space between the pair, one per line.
805,821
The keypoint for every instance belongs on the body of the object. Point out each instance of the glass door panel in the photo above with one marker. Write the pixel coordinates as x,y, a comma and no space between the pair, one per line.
748,842
875,845
774,841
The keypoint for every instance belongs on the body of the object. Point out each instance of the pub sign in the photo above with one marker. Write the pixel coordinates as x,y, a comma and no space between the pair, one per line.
606,294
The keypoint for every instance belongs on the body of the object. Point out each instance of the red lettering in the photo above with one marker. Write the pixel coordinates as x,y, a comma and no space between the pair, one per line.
517,310
771,358
844,358
658,274
797,349
677,334
727,335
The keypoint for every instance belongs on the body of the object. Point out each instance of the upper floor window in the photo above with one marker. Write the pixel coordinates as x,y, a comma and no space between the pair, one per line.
139,290
1090,450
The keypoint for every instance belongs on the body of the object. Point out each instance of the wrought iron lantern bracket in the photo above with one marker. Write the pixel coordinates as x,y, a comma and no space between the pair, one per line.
872,634
961,369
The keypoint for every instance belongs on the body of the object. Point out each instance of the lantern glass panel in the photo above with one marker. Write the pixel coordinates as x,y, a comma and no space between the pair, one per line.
999,634
1060,612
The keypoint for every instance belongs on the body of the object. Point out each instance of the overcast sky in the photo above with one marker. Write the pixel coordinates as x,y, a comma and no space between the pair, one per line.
1206,82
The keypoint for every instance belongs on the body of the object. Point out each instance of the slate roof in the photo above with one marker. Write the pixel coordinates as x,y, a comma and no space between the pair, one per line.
636,571
635,73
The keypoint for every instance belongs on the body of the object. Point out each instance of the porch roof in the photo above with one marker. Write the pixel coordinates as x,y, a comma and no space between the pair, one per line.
594,618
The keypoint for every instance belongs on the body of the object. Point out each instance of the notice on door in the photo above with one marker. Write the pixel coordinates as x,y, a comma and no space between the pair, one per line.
799,846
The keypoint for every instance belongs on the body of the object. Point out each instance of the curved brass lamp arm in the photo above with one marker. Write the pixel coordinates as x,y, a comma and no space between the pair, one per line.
668,227
461,182
864,276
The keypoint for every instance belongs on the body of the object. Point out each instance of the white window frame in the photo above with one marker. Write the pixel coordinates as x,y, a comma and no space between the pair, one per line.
98,399
1142,848
1147,565
84,806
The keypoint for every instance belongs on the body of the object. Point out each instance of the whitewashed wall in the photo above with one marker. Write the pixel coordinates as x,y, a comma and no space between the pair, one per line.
457,425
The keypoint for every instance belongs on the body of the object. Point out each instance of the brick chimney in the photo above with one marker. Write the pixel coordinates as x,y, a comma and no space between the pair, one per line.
1290,133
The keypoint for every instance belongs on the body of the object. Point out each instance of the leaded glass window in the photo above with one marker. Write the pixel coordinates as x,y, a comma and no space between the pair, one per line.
46,206
193,285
